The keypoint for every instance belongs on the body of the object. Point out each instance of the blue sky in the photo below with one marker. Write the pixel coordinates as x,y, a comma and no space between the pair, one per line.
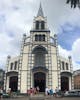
16,18
68,35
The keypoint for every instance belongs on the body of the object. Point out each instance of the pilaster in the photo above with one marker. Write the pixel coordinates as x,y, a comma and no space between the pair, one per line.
7,68
58,62
71,70
20,62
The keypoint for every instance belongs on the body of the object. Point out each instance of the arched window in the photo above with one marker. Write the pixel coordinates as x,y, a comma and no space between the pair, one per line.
42,25
63,65
37,25
66,66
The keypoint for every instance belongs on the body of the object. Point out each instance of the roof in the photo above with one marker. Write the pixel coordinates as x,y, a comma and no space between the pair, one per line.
40,11
76,72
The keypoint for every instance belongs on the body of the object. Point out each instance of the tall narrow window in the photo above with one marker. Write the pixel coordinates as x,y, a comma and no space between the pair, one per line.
66,66
18,64
11,66
43,37
37,25
63,65
15,66
36,37
42,25
40,37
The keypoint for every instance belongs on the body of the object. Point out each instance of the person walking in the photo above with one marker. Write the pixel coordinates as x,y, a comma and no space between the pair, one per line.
51,91
56,91
47,92
1,93
37,88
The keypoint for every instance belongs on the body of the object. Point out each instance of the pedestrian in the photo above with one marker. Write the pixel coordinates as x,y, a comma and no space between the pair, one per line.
51,91
56,91
1,93
47,92
31,91
37,89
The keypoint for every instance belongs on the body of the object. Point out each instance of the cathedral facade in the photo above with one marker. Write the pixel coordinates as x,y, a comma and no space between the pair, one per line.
39,63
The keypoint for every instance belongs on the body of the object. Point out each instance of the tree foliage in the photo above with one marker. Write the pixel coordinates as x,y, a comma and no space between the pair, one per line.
74,3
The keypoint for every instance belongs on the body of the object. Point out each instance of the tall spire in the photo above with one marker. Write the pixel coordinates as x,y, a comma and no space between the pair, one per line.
40,11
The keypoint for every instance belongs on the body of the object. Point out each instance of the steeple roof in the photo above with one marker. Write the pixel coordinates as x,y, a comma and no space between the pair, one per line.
40,11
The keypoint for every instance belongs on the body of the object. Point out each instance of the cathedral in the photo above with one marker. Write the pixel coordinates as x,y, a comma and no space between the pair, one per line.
39,62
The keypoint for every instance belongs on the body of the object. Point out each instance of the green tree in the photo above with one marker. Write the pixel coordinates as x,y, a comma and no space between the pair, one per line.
74,3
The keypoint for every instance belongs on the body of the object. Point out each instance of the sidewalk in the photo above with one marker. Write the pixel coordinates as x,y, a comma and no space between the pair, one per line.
37,97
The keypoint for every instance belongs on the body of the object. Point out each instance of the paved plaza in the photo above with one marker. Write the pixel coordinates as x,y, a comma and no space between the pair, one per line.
44,98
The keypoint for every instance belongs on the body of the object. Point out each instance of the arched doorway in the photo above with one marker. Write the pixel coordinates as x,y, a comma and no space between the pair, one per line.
13,83
64,83
40,80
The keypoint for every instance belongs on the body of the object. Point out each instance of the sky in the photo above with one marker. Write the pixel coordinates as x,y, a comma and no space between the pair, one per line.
16,18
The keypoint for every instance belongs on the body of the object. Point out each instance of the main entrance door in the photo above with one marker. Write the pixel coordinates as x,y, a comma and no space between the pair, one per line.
64,83
13,83
40,81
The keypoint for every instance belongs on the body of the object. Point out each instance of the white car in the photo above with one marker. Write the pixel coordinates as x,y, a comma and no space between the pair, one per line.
72,93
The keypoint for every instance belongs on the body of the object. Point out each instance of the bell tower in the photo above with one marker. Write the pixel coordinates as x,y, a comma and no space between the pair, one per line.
40,31
40,22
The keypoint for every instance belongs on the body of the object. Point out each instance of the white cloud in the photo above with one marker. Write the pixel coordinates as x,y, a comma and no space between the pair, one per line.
63,52
76,50
75,53
76,66
8,46
15,19
4,43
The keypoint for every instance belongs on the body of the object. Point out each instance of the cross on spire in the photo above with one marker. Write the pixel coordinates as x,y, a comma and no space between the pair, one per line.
40,11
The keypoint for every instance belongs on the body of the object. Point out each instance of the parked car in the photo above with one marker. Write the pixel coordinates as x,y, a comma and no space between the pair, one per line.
72,93
5,95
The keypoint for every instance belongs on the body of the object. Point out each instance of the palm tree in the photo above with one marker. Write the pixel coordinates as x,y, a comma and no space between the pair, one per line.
74,3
